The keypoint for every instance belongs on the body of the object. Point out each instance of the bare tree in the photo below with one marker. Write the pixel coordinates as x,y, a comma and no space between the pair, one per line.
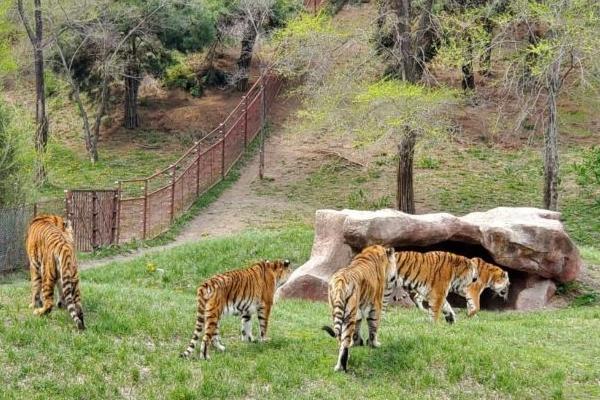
406,46
36,38
405,197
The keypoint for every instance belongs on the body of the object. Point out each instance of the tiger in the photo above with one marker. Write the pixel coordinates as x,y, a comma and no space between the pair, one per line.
239,292
432,275
489,276
52,261
358,291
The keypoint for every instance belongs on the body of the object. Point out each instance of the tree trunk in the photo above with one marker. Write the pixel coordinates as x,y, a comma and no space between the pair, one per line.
486,58
403,57
132,84
468,79
87,132
36,38
551,140
425,40
405,193
245,59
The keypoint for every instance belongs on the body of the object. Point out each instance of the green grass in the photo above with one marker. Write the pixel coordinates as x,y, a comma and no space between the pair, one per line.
138,322
70,168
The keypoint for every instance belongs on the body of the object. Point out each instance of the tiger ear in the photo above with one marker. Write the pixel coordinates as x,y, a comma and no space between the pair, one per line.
389,251
286,263
505,274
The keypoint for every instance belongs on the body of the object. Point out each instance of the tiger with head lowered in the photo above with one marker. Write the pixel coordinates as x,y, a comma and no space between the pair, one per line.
433,275
52,261
488,276
359,291
240,292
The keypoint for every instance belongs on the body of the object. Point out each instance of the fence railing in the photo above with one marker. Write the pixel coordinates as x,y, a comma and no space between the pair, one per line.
147,206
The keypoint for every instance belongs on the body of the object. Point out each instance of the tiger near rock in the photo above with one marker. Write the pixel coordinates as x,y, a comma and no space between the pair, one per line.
240,292
52,262
359,291
433,275
488,276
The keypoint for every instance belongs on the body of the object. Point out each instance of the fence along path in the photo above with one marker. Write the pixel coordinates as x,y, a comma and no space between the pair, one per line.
147,206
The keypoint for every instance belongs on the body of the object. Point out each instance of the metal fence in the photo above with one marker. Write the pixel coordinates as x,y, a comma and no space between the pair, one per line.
13,228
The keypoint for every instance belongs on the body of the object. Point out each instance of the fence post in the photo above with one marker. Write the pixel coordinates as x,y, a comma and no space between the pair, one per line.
118,233
245,99
94,220
114,224
144,226
197,169
173,192
222,151
261,165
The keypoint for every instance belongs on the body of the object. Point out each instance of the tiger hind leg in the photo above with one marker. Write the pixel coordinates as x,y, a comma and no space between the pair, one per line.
216,340
48,282
36,285
373,323
247,328
213,313
348,329
357,338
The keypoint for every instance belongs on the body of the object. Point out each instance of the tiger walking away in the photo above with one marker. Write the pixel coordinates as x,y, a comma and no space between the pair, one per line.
240,292
433,275
358,291
52,261
488,276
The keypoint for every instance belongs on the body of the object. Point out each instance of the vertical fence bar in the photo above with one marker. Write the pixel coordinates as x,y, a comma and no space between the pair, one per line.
261,165
94,220
35,209
119,189
173,192
245,100
197,169
222,151
114,222
145,221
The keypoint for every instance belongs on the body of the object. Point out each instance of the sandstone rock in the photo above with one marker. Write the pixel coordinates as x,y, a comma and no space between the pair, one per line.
535,294
530,240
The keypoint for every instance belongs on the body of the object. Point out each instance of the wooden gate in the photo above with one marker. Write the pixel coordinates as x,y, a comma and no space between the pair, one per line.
94,214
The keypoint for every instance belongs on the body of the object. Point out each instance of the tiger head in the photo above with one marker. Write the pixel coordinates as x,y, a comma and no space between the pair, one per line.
493,277
280,269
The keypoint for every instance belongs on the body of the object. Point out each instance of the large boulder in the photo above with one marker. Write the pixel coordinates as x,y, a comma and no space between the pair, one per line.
530,243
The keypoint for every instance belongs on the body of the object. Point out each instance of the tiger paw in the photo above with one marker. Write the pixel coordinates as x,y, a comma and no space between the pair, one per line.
450,318
40,311
263,339
31,305
374,343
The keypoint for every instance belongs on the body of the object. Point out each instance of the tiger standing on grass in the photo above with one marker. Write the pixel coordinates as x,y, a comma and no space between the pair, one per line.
433,275
488,276
359,291
52,261
240,292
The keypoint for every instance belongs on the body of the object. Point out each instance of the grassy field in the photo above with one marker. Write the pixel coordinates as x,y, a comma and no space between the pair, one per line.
140,315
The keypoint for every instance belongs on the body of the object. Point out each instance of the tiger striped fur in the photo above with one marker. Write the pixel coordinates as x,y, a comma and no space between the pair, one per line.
433,275
240,292
52,261
488,276
359,291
